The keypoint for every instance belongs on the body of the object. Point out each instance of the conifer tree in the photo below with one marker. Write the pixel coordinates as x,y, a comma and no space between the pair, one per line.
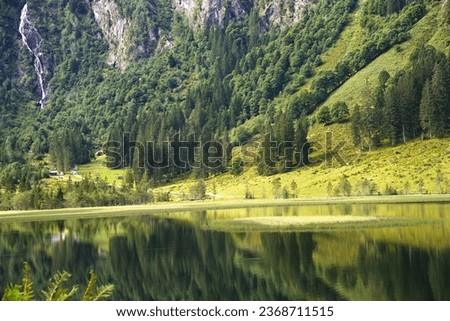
440,88
356,123
324,116
340,112
301,157
427,110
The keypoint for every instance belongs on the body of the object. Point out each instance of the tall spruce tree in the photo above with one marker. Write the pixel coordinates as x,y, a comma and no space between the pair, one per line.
301,156
356,123
427,110
392,114
435,105
440,88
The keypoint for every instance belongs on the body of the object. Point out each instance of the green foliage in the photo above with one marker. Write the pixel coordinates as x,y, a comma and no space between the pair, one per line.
216,84
277,190
343,187
56,291
367,126
22,292
407,188
27,285
198,190
69,148
99,293
294,189
330,191
442,184
340,112
88,192
420,186
248,193
266,163
324,116
435,103
365,187
285,192
385,7
236,166
447,14
389,190
414,101
162,196
12,293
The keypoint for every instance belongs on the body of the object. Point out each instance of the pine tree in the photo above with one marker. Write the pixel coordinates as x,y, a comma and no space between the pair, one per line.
408,108
144,183
356,123
427,110
266,163
284,130
372,118
435,105
391,114
329,189
340,112
301,157
324,116
440,88
294,189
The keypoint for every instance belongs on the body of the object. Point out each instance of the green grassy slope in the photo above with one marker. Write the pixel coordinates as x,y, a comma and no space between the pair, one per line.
429,30
398,167
401,167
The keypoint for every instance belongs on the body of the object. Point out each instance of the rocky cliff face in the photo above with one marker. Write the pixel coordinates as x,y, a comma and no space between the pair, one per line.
213,12
200,13
130,40
116,29
282,13
274,13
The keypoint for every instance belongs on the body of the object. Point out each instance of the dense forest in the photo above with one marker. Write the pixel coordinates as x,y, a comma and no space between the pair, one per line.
206,89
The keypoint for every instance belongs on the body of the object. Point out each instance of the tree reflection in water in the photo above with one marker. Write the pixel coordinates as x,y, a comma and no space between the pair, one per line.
150,258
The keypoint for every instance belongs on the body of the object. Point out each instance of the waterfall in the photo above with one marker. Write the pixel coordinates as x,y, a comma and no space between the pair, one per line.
32,40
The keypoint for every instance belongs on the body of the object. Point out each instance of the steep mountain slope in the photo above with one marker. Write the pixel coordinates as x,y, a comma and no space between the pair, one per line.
78,74
429,30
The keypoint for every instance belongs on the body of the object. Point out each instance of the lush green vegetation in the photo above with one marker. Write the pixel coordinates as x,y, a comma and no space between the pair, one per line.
416,101
237,84
57,289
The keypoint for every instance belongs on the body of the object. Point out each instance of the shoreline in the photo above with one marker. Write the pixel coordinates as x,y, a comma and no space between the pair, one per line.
172,207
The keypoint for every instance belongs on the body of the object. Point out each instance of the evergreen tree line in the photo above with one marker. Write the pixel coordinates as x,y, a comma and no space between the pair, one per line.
415,102
233,52
239,71
386,7
205,89
68,148
366,187
86,193
284,145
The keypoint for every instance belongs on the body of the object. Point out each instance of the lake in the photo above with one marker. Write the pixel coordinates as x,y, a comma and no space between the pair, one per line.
177,257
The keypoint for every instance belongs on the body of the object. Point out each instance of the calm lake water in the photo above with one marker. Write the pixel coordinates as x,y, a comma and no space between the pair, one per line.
175,256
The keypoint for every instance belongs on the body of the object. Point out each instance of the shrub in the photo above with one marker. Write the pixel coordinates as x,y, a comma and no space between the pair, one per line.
366,188
389,190
324,116
340,112
236,166
57,290
198,190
